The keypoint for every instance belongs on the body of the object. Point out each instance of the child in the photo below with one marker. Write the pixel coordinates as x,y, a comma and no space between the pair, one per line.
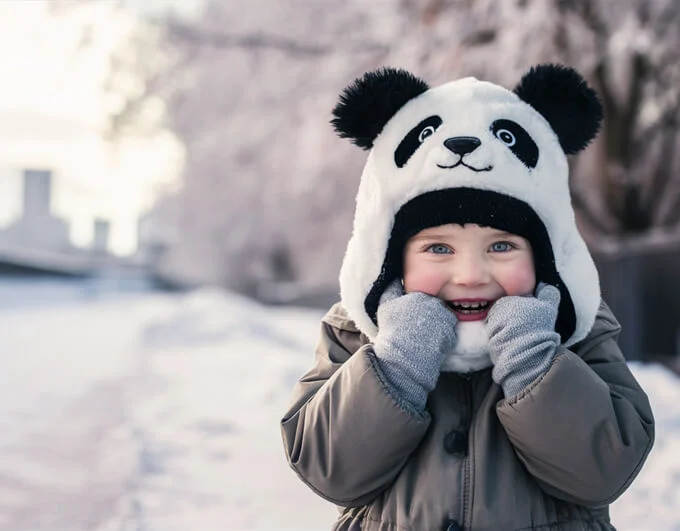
470,378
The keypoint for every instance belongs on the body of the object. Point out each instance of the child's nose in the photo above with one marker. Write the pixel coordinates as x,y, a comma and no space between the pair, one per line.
469,270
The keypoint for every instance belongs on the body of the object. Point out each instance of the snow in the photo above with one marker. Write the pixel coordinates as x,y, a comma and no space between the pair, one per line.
145,411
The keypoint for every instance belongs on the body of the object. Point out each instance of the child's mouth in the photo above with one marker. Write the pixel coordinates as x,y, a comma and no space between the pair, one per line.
470,310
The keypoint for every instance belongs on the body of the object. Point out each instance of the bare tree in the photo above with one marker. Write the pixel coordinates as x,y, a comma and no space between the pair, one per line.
248,89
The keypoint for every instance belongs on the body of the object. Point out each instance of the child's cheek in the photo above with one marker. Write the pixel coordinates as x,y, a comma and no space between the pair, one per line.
430,282
520,282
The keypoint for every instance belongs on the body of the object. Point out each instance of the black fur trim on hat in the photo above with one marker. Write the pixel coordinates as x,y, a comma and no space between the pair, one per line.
481,207
369,102
566,101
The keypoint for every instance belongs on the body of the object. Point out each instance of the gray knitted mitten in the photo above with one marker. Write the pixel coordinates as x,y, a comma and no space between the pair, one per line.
522,337
414,332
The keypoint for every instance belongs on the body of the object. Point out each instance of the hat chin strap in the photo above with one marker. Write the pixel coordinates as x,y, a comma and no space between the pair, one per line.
471,351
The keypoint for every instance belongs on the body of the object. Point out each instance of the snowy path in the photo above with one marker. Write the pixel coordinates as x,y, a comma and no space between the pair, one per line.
160,413
65,451
216,379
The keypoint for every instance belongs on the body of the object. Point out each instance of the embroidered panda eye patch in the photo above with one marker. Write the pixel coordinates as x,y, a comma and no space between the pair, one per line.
416,136
517,140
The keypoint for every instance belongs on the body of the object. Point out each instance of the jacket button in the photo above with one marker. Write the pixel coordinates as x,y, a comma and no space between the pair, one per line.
453,526
455,443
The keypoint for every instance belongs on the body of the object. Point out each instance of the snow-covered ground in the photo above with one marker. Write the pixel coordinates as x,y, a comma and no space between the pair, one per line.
152,412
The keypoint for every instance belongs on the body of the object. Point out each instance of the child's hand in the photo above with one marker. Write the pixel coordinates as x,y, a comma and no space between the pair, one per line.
522,337
415,330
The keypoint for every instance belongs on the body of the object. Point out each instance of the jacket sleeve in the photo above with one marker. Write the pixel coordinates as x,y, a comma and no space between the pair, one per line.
344,433
585,428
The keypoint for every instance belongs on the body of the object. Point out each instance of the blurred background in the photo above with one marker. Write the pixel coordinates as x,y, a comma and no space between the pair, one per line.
174,209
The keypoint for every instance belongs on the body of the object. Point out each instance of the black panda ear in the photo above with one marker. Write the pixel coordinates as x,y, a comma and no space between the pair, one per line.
566,101
369,102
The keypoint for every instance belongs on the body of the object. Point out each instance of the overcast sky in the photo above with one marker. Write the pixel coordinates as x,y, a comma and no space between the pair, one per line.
52,112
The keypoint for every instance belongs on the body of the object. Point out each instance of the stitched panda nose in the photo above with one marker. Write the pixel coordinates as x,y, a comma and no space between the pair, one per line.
462,145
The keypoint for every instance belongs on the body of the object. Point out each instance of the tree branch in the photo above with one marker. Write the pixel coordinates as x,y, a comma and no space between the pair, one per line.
259,41
660,176
638,77
588,212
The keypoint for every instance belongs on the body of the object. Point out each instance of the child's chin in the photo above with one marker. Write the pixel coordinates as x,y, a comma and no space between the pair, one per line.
471,352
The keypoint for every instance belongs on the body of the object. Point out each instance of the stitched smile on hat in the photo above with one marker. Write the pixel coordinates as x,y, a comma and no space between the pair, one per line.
461,163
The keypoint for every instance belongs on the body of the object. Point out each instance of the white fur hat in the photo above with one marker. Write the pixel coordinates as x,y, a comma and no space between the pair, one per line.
469,151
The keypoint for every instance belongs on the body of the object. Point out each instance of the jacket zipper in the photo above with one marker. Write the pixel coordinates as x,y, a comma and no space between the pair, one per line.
467,465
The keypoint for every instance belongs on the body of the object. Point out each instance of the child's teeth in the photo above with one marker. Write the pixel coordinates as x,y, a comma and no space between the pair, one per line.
470,306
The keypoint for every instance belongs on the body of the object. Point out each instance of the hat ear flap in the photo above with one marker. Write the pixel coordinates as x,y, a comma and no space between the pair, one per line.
565,100
371,101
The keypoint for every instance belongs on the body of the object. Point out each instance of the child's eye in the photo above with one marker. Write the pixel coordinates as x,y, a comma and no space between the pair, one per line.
438,248
502,247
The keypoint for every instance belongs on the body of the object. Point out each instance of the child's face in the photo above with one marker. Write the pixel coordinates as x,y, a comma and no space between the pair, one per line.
468,264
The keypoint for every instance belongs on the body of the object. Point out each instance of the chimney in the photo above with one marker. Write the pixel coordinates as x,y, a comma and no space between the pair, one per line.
37,193
100,242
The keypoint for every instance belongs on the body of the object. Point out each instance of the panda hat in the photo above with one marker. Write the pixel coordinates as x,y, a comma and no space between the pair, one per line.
468,151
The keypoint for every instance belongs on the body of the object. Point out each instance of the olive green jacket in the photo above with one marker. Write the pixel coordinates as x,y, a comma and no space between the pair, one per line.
551,458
